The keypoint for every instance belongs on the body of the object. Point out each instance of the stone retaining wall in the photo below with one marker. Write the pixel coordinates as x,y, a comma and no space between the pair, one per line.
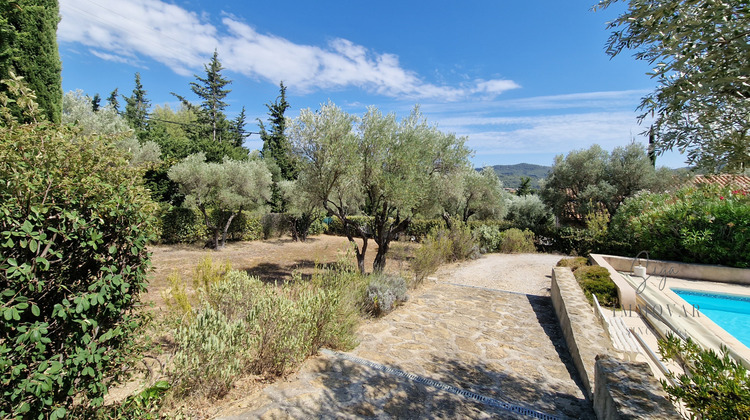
583,333
617,389
628,390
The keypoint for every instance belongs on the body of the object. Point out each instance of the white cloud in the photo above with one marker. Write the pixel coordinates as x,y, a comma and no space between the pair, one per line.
544,134
126,30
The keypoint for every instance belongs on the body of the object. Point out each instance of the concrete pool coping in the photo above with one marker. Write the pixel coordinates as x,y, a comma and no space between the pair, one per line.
666,311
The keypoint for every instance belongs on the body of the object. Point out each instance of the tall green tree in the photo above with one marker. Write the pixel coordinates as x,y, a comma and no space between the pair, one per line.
700,56
276,146
237,129
384,170
136,109
211,90
113,102
28,46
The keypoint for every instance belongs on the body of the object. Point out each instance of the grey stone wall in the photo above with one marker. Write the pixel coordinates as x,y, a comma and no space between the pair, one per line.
628,390
583,333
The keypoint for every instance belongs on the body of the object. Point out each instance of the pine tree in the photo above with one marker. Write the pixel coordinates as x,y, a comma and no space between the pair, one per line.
276,146
136,108
211,90
112,101
237,129
28,46
96,102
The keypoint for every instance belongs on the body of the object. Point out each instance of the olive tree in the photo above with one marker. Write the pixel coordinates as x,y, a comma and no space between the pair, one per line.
227,188
467,193
376,165
700,56
78,111
592,179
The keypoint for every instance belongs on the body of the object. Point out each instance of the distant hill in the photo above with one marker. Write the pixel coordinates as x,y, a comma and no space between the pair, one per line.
511,175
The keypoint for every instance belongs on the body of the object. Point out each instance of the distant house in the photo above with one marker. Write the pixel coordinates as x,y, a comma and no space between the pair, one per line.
724,180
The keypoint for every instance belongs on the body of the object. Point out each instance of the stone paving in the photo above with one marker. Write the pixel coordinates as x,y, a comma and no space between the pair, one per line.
500,345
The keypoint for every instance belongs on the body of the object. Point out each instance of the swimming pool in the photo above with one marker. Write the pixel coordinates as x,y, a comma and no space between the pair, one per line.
730,312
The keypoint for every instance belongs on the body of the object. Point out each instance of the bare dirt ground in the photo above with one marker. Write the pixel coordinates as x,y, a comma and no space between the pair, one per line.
270,260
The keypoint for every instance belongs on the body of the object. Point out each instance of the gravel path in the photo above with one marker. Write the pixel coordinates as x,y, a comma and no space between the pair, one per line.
522,273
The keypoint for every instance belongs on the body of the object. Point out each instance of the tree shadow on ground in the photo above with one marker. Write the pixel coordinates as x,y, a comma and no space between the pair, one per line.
277,273
350,390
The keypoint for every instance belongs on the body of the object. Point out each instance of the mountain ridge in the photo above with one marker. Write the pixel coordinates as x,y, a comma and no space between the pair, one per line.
511,175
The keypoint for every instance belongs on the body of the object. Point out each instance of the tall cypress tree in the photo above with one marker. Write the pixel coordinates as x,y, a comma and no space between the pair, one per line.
28,46
275,143
136,108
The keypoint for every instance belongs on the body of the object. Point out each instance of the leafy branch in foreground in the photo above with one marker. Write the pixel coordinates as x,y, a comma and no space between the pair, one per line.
713,386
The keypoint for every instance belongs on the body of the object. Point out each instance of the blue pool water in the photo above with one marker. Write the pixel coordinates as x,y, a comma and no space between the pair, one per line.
730,312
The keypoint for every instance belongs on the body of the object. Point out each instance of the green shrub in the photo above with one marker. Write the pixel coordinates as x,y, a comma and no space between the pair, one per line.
212,353
573,263
708,225
712,387
462,244
335,227
245,325
274,225
180,225
500,224
317,227
517,241
75,222
420,228
489,238
595,280
144,405
384,292
443,245
529,212
245,227
429,256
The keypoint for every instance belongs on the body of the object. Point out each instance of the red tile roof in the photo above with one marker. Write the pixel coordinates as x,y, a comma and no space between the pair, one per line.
723,180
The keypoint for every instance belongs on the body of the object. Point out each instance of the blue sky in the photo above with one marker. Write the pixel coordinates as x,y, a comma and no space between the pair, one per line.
523,81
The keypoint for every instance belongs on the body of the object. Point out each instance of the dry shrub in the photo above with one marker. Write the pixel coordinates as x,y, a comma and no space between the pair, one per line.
517,241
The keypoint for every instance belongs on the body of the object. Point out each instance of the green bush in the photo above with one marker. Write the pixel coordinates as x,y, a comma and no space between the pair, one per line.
212,352
429,256
462,244
420,228
245,326
573,263
529,212
337,228
180,225
274,225
712,386
707,225
489,238
384,292
75,222
595,280
443,245
517,241
500,224
246,227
